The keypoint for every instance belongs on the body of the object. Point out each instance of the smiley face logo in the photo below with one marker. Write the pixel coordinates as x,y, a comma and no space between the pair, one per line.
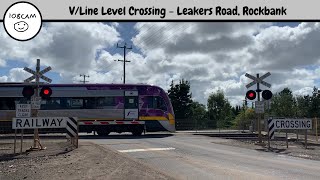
22,21
21,26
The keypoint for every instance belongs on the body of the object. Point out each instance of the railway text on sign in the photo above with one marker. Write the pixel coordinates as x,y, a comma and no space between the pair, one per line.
39,122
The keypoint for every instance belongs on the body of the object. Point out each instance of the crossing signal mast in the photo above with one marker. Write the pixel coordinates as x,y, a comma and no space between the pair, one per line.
253,94
32,91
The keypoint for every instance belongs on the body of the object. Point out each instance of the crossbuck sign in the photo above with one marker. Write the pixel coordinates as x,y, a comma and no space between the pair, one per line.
258,80
38,74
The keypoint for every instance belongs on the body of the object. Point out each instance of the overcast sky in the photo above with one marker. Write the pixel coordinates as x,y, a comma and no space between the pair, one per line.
211,56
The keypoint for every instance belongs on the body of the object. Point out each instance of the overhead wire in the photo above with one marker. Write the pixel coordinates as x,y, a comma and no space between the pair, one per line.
154,39
151,37
157,33
169,36
173,35
131,35
145,32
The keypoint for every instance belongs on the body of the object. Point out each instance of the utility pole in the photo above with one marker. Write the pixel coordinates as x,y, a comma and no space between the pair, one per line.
124,60
84,78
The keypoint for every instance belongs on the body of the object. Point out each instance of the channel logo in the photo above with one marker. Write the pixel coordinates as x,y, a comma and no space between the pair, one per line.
22,21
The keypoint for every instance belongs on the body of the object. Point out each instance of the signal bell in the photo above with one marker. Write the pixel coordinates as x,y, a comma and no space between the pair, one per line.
45,92
251,95
28,91
266,94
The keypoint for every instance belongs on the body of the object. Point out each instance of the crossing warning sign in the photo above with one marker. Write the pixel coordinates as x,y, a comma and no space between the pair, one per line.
292,123
23,110
259,107
39,122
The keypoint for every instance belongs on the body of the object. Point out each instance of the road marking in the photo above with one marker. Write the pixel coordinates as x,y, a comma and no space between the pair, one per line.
147,149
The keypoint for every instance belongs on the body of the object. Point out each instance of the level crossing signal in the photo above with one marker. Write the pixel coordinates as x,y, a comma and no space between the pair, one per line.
45,92
28,91
251,95
266,94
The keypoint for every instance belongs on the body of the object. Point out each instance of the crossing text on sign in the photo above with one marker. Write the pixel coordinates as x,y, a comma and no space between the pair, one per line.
293,123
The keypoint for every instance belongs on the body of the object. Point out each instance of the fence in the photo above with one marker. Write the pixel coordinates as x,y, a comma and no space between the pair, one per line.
191,124
252,126
203,124
299,135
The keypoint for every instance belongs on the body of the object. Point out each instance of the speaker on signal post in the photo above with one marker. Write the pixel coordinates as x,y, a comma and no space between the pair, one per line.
45,92
266,94
251,95
28,91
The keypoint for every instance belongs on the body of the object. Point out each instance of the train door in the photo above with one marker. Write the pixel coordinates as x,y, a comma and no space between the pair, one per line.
131,105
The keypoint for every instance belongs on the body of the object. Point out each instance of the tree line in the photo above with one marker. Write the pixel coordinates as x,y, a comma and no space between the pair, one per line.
218,112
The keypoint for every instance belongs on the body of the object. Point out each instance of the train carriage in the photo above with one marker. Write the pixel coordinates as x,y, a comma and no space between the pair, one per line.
103,108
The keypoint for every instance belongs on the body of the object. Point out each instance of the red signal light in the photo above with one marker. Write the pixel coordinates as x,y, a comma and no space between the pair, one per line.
251,94
45,92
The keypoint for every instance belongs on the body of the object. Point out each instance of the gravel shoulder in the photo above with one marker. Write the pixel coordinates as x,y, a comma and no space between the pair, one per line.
89,161
296,149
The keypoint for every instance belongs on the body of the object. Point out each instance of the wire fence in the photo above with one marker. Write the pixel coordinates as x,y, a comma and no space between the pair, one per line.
251,127
207,124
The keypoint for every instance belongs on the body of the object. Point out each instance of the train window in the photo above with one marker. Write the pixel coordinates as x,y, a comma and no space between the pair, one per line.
3,105
149,102
156,102
79,103
76,102
105,102
62,103
90,103
52,103
10,103
161,104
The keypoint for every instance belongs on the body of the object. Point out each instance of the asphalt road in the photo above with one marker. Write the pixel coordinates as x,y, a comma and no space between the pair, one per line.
187,156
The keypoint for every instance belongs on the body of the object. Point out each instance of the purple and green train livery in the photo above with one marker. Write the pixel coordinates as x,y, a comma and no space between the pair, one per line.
103,108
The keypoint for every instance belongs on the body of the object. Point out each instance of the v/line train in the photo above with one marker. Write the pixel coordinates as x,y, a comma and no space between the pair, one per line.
103,108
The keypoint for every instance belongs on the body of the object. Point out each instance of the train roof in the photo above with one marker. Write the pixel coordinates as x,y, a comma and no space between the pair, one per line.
19,84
